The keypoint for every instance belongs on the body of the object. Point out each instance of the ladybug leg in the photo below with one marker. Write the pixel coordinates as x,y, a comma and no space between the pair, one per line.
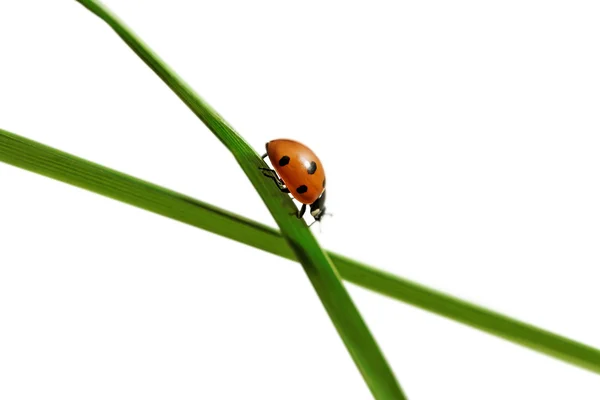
277,181
302,211
264,156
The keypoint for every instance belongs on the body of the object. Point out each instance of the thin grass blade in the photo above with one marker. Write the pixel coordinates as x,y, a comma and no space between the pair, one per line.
41,159
321,272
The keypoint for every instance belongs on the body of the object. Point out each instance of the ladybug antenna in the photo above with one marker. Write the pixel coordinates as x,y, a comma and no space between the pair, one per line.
312,223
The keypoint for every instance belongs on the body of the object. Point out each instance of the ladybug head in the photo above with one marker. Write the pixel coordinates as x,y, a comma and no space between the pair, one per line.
317,209
318,213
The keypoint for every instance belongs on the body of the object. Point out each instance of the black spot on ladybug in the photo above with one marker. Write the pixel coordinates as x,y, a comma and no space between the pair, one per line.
312,167
302,189
285,160
323,182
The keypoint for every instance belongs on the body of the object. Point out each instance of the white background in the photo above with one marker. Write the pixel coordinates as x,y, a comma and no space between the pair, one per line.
460,141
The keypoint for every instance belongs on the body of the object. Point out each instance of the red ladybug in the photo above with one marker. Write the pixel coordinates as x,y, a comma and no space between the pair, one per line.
299,172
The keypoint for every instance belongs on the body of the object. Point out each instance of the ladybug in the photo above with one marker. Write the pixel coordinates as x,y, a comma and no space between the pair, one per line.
298,171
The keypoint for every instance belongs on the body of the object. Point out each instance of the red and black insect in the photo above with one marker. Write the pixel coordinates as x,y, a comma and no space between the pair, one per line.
298,171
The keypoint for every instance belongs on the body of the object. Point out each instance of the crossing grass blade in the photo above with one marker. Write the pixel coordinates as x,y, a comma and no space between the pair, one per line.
317,265
36,157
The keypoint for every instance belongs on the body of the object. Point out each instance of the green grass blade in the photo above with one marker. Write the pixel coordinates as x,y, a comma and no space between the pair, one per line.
317,265
36,157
